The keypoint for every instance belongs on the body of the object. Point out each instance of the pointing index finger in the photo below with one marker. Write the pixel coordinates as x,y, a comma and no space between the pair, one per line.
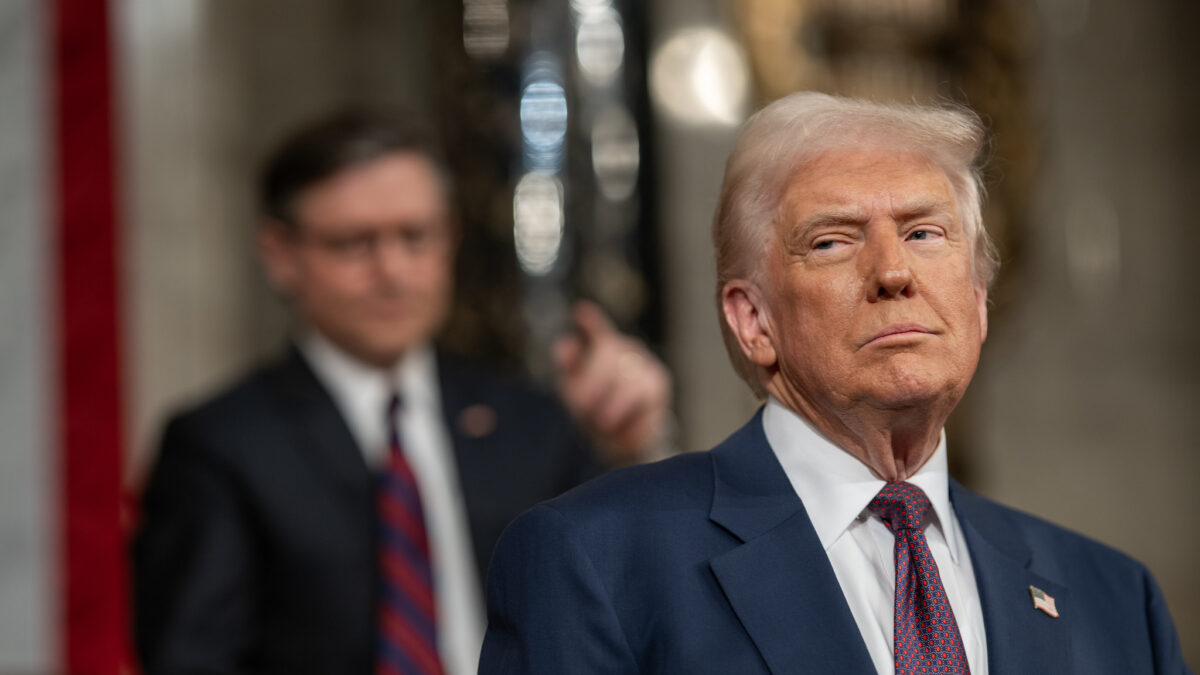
591,321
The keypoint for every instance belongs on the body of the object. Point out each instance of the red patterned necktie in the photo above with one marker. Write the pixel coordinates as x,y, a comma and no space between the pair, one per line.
407,618
926,635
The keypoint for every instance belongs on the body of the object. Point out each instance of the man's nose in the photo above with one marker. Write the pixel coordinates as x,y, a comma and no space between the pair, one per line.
889,271
391,258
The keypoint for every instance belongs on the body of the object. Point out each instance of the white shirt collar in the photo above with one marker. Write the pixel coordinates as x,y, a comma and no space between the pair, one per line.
836,487
361,391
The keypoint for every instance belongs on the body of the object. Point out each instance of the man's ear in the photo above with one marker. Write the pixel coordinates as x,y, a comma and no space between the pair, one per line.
746,315
276,250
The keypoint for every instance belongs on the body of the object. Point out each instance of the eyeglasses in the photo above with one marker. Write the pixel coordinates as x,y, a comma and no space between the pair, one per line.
363,244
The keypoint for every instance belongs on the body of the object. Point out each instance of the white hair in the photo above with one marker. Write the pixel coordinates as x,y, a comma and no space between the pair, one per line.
781,138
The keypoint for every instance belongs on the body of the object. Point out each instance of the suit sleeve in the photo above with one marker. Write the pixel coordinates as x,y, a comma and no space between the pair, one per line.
548,611
193,563
1168,654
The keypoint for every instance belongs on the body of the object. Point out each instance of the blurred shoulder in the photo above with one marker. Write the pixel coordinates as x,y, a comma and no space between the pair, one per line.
684,481
471,378
256,411
247,397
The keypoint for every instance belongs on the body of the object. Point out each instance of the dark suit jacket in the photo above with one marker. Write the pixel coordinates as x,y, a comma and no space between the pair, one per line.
708,563
256,551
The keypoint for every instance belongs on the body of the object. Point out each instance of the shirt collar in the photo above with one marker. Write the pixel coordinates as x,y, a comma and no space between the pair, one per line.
836,487
361,391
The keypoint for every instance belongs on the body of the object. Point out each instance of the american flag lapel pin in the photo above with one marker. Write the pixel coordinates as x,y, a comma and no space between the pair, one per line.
1043,601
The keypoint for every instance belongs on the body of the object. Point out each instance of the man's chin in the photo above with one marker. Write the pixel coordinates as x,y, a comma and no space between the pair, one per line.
392,353
383,354
907,390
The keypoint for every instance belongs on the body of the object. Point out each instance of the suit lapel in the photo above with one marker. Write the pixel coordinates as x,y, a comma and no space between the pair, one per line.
459,391
1020,638
322,436
454,387
784,591
779,581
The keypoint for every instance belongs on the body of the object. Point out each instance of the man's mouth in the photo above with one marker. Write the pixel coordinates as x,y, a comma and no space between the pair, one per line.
898,332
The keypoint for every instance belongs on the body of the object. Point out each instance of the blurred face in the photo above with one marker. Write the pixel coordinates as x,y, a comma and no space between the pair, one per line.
868,298
369,262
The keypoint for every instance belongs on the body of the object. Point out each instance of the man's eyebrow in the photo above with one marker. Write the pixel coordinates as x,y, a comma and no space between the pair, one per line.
834,217
853,216
924,207
848,216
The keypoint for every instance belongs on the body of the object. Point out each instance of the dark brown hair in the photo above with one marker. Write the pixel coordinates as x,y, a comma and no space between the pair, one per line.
333,144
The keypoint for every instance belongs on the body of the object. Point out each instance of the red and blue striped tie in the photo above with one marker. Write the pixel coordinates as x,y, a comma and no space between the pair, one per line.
926,634
407,615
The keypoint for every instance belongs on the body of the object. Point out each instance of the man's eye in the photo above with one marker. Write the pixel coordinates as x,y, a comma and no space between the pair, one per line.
823,245
416,238
351,245
921,235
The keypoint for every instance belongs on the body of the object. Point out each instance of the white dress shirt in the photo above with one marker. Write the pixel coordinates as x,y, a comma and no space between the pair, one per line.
361,394
836,488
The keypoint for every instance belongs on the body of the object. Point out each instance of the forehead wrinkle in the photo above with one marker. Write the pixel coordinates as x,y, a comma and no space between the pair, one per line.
843,204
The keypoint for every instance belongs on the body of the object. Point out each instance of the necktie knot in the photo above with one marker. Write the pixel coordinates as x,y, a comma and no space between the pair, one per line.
901,506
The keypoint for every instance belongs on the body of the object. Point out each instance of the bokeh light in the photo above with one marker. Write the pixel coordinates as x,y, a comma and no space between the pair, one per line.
699,76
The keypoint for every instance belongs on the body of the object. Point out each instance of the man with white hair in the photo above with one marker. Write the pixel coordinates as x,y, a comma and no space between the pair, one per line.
825,535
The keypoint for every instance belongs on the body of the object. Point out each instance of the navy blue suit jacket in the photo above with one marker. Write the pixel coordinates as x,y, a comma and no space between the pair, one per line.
708,563
256,552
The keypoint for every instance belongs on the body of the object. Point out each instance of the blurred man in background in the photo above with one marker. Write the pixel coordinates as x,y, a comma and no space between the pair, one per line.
334,511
